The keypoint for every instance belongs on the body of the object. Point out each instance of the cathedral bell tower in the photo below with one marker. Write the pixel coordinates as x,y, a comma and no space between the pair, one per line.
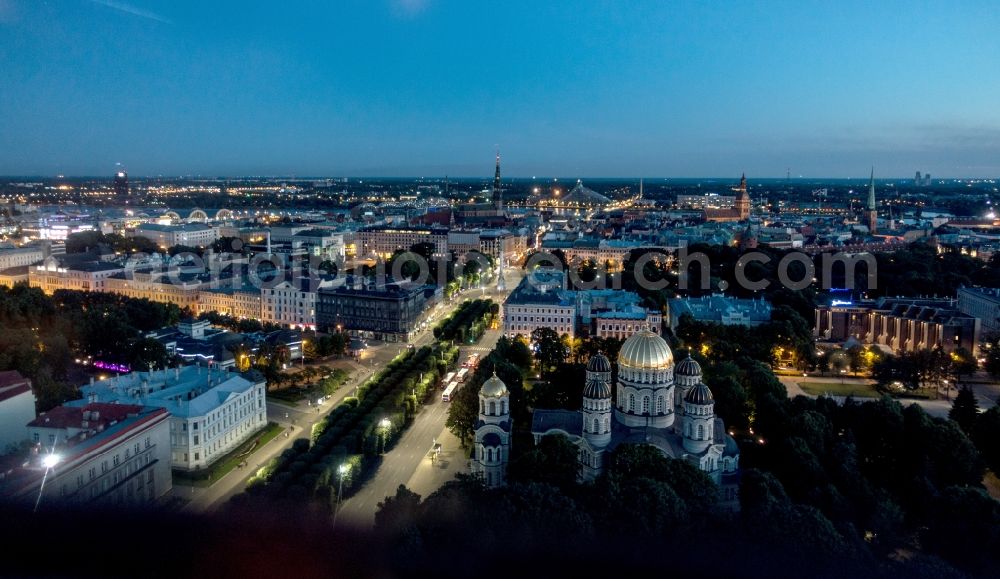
698,419
491,450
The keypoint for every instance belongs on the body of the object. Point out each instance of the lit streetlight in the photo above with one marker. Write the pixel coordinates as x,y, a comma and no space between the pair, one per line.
49,461
384,425
342,471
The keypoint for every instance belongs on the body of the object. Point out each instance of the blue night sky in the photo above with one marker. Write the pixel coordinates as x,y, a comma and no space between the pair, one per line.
430,87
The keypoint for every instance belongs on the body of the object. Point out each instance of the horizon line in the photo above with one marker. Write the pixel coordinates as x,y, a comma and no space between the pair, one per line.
483,177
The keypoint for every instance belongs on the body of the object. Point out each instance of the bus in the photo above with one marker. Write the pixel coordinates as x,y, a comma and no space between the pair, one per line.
449,391
472,361
448,377
462,375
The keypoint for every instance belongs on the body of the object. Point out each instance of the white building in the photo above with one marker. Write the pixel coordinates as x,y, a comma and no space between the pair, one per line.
189,234
212,411
242,303
540,302
17,408
491,450
20,256
52,276
112,454
292,304
383,242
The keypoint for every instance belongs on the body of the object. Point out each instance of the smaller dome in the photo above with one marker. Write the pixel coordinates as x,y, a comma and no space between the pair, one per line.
732,449
688,367
598,363
699,394
494,387
597,388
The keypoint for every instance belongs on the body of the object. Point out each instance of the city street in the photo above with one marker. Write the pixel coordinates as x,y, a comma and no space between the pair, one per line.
403,462
409,462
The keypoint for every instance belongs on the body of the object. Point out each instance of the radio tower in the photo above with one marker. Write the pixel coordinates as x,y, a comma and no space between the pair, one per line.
498,205
497,192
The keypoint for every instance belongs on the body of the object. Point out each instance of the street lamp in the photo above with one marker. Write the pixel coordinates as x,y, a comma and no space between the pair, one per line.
49,461
342,470
384,425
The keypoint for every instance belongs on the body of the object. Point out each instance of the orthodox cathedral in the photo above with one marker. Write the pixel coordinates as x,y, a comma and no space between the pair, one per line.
657,402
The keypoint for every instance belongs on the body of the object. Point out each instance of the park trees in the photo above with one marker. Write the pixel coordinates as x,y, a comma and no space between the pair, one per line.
550,350
965,409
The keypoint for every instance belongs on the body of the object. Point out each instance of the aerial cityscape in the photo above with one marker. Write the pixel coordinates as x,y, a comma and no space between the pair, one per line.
414,288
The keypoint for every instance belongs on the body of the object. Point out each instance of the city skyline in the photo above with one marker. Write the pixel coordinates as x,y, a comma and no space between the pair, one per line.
429,88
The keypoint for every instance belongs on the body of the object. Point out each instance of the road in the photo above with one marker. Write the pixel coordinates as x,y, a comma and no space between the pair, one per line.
409,462
300,418
986,393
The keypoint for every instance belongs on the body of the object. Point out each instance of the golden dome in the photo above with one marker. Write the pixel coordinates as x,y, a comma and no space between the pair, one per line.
494,387
645,350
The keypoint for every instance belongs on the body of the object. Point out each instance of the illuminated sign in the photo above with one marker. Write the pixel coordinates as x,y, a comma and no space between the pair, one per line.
121,368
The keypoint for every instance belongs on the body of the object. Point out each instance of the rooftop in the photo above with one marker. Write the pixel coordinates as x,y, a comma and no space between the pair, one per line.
185,392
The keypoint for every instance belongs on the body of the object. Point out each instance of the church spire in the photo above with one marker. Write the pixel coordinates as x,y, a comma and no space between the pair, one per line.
871,191
871,212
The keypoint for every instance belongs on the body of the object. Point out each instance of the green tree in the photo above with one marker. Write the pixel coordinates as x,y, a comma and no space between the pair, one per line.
986,434
397,513
965,409
963,363
550,351
553,461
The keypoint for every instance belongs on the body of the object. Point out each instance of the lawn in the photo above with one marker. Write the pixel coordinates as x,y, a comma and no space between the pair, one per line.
291,395
838,389
222,467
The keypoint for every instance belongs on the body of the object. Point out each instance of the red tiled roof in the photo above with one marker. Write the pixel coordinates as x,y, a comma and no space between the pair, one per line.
11,378
72,416
11,392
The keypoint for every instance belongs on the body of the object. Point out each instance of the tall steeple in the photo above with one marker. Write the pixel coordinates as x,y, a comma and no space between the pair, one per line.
742,202
497,192
871,191
871,211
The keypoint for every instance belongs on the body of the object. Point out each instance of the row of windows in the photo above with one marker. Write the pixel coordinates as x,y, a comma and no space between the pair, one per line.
596,426
542,319
488,456
645,404
491,408
529,328
699,433
116,460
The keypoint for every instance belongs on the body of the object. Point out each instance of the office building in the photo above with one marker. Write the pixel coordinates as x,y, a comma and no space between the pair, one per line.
900,324
720,309
541,300
982,303
107,454
17,407
166,236
389,312
212,410
52,276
